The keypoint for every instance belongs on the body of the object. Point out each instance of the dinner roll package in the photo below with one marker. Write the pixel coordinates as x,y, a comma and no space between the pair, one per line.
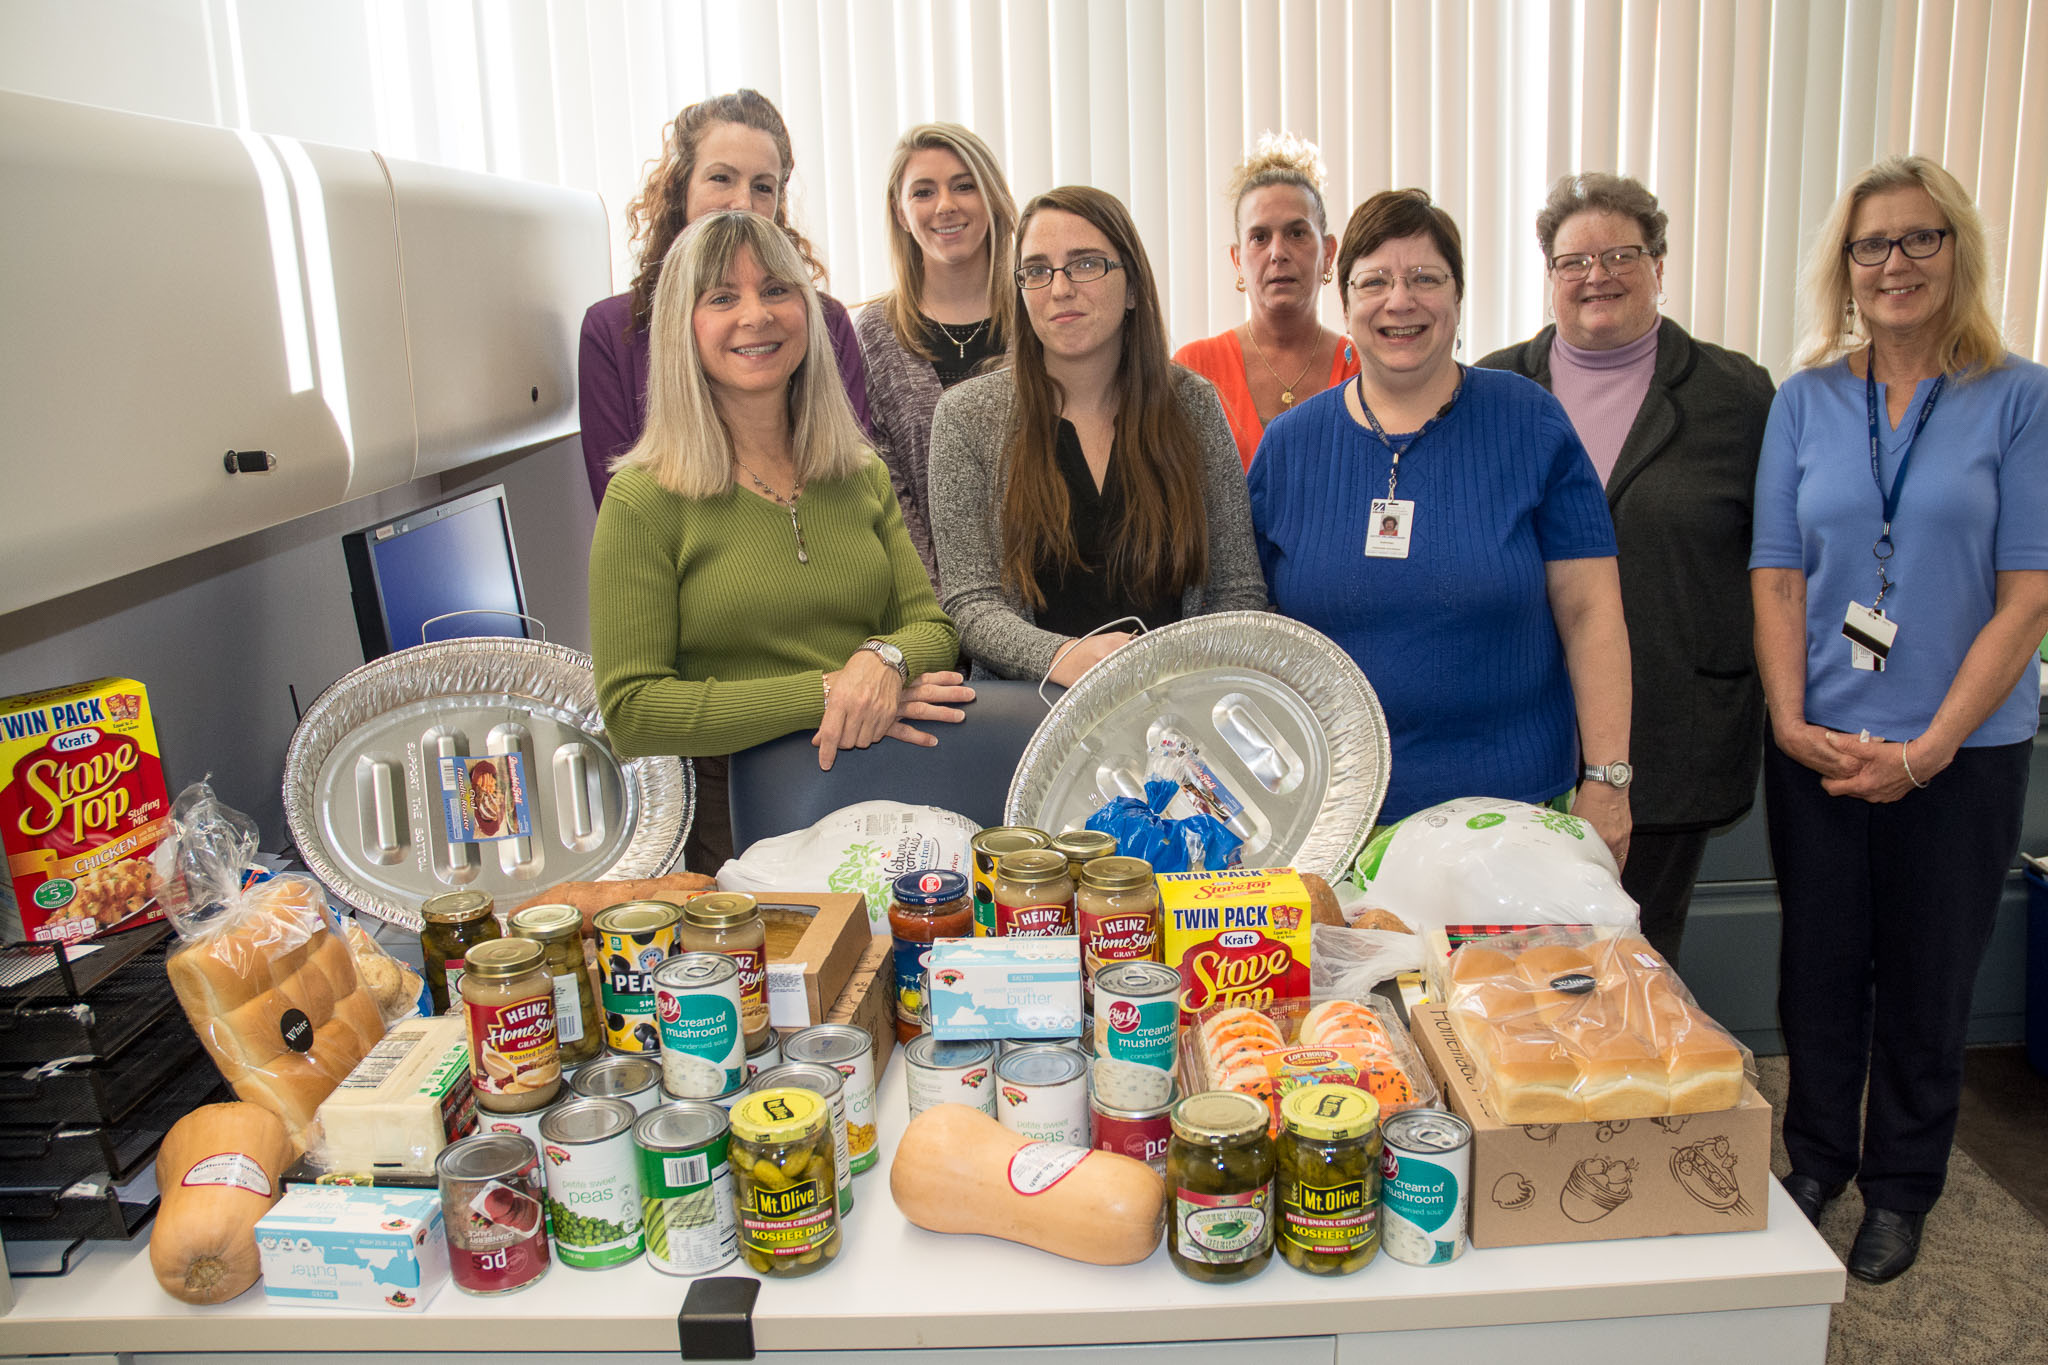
265,976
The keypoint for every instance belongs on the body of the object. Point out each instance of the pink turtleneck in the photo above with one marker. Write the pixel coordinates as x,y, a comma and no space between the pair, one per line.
1602,391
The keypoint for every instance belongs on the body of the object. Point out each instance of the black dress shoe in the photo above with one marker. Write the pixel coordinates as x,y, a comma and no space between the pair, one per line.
1886,1245
1810,1195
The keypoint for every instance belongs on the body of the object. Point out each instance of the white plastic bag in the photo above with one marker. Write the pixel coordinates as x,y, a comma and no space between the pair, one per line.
863,847
1480,860
1349,964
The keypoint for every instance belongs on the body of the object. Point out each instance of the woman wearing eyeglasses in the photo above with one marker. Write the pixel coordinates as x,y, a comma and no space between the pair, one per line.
1283,256
1673,425
1093,479
1490,624
1901,521
952,224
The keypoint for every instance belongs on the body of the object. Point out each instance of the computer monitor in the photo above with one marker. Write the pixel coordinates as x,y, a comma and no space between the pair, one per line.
456,556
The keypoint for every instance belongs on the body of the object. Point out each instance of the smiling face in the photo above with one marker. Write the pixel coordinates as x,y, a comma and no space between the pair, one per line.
1405,337
750,329
737,167
940,206
1603,310
1279,251
1077,323
1902,296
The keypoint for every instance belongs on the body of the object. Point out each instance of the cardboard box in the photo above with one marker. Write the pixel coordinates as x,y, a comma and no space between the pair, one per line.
869,999
805,977
1006,988
1591,1182
342,1246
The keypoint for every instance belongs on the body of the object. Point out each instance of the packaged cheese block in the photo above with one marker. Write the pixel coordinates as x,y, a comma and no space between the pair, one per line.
405,1101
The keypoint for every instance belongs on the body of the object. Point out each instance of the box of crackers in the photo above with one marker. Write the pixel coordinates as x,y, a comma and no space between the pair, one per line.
82,806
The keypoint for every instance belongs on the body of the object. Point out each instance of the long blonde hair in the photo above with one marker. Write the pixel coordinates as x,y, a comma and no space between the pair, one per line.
904,304
1830,326
686,445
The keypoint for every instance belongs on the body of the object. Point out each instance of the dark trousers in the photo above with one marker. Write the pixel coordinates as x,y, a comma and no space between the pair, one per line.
1659,877
709,845
1887,911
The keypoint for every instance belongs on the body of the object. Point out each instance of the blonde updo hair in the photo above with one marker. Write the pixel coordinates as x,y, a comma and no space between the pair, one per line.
1279,159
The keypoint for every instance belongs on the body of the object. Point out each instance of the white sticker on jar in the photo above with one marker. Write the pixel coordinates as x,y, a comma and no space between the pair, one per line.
568,1011
230,1168
1038,1166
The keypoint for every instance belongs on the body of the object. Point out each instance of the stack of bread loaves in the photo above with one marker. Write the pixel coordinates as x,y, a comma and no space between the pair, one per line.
1567,1027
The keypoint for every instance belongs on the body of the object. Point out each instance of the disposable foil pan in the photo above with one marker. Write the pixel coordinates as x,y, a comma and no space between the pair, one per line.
1278,712
363,778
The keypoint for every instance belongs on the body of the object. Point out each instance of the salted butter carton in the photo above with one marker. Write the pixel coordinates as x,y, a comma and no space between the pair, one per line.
1237,937
1006,987
354,1246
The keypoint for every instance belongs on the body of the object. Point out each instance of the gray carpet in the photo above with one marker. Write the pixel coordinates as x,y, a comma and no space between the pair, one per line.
1977,1296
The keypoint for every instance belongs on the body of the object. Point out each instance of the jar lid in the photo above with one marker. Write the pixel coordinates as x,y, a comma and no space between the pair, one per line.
547,921
1330,1113
1032,865
1085,845
456,907
1117,873
721,909
1219,1117
503,957
928,886
1001,839
637,917
782,1114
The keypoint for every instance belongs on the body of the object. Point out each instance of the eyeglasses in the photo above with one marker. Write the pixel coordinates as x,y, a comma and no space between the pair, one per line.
1086,270
1918,246
1619,260
1422,279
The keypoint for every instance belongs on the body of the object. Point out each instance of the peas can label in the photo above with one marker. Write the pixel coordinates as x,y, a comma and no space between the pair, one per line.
703,1046
1224,1229
593,1198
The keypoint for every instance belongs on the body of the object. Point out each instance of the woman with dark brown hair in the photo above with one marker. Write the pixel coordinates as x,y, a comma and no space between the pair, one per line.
1093,479
727,152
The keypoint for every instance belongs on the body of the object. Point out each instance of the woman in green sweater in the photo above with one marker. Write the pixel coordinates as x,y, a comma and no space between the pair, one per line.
750,575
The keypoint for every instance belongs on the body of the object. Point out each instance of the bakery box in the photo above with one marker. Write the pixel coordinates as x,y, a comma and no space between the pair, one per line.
869,999
1591,1182
815,942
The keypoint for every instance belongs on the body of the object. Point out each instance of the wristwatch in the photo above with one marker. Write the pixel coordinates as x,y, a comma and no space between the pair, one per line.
1617,774
891,656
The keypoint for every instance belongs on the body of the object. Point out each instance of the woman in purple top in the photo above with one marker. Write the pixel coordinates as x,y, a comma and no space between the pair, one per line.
727,152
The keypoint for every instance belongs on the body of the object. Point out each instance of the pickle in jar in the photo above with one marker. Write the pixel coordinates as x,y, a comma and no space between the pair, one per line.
784,1184
1328,1182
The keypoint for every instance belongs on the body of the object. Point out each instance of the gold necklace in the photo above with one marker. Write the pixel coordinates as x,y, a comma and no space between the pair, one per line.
1286,389
958,344
788,504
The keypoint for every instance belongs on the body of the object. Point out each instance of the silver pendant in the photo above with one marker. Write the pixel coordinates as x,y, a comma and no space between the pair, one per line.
803,556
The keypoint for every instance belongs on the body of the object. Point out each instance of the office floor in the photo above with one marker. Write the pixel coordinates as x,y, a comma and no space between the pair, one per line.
2004,1125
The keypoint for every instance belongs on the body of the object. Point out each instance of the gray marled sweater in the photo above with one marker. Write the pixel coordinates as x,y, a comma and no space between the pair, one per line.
968,434
902,391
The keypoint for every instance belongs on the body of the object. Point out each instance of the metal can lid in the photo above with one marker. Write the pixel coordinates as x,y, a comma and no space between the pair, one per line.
1008,839
1330,1113
679,1125
575,1123
614,1077
456,907
829,1043
721,909
503,957
636,917
1114,872
929,1051
695,971
1042,1064
763,1043
547,922
1219,1117
1427,1130
1085,845
928,886
486,1156
780,1114
1140,979
812,1076
1032,865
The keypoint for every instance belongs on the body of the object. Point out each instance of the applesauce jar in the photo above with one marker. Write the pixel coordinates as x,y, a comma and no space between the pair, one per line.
508,999
729,922
1117,906
1034,895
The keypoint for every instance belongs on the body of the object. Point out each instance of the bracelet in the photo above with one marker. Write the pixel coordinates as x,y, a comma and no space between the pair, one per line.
1906,761
826,682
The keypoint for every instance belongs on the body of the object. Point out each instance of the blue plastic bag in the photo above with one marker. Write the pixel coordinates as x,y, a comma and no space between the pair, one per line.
1198,843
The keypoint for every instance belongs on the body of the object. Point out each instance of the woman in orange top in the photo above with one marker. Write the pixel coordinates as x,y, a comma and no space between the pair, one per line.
1283,256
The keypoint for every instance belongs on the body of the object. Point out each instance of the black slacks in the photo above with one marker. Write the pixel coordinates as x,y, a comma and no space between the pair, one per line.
1659,877
1887,911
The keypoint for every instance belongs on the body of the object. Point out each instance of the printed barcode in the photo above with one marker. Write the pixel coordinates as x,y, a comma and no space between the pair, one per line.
383,1059
685,1170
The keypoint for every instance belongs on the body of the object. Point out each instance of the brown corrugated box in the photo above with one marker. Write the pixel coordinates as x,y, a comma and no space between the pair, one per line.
1590,1182
869,999
807,975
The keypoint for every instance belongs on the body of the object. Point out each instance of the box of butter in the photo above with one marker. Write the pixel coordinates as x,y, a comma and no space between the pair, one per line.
1006,988
352,1246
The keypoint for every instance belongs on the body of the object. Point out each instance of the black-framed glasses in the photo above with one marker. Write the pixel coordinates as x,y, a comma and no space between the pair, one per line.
1377,284
1576,266
1085,270
1918,245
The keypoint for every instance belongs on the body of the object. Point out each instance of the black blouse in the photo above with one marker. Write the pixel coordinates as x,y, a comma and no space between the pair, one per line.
959,352
1078,599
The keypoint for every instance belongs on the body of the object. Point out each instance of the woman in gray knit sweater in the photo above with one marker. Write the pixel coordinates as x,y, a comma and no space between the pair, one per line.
1093,479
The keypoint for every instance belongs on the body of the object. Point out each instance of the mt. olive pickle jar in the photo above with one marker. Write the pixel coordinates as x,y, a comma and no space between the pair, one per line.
784,1182
456,921
729,922
1034,895
558,929
1329,1179
1219,1176
509,1001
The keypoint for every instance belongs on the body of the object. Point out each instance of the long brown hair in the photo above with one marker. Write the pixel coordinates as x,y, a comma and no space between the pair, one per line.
1161,546
903,304
655,216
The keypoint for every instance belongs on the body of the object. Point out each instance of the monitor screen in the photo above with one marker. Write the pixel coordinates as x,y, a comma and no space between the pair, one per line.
456,556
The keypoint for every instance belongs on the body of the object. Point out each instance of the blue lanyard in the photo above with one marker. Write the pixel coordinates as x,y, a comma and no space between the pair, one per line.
1394,470
1883,549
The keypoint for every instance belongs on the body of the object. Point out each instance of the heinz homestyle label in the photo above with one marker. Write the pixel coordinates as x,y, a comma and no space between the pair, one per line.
82,804
1237,937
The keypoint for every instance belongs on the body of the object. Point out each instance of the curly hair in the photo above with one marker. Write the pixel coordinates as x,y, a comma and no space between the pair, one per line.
656,215
1279,159
1599,192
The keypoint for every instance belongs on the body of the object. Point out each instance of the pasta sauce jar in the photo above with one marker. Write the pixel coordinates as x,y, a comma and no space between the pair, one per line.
729,922
558,929
1117,906
456,921
1034,895
928,904
509,1001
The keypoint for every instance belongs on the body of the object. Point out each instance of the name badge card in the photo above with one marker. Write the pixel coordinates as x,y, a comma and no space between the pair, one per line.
1870,635
1393,520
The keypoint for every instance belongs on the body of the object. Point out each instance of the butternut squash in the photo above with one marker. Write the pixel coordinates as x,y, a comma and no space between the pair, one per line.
958,1170
219,1170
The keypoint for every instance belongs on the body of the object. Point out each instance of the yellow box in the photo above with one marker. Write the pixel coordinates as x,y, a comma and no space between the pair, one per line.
1236,937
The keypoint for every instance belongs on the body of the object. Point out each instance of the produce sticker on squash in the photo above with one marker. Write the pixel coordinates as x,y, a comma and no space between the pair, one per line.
1237,937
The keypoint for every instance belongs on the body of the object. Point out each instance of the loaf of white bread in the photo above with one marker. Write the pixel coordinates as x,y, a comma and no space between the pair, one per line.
273,994
1566,1032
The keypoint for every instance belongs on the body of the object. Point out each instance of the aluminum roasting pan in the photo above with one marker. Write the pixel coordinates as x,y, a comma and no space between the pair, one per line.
1281,713
363,797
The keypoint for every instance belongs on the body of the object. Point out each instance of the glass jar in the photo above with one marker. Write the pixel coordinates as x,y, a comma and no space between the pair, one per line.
1117,910
456,921
1082,847
1328,1179
558,929
987,847
928,904
784,1182
509,1000
1219,1178
1034,896
729,922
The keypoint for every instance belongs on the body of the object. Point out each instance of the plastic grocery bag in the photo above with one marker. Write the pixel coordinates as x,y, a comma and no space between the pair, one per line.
1347,964
1481,860
1195,843
862,848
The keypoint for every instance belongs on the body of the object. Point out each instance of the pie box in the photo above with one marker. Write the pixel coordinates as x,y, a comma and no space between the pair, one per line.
816,940
1591,1182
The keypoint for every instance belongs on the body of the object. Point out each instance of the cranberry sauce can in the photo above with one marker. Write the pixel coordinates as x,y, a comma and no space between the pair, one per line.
1141,1134
492,1190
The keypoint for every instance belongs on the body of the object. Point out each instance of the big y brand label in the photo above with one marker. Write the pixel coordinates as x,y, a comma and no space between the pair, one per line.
1141,1031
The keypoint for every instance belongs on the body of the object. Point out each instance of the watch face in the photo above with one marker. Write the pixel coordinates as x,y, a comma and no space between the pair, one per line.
1619,773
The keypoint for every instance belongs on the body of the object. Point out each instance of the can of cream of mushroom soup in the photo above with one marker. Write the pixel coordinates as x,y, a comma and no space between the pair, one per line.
1425,1186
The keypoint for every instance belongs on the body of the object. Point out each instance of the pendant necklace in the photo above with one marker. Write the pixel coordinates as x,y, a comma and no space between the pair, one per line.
788,504
1286,389
958,344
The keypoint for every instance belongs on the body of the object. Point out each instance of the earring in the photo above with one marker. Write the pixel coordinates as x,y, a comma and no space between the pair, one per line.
1458,341
1329,275
1240,284
1660,298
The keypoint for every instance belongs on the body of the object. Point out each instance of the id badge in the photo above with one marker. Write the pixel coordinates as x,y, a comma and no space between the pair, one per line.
1870,635
1393,521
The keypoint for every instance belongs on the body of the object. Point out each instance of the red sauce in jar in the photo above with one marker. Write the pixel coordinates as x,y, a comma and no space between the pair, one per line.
928,904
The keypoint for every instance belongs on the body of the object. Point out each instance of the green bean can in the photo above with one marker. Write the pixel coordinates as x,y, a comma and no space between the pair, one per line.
1328,1179
593,1182
686,1198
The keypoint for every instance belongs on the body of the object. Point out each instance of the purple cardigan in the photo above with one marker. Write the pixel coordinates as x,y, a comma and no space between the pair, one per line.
611,379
